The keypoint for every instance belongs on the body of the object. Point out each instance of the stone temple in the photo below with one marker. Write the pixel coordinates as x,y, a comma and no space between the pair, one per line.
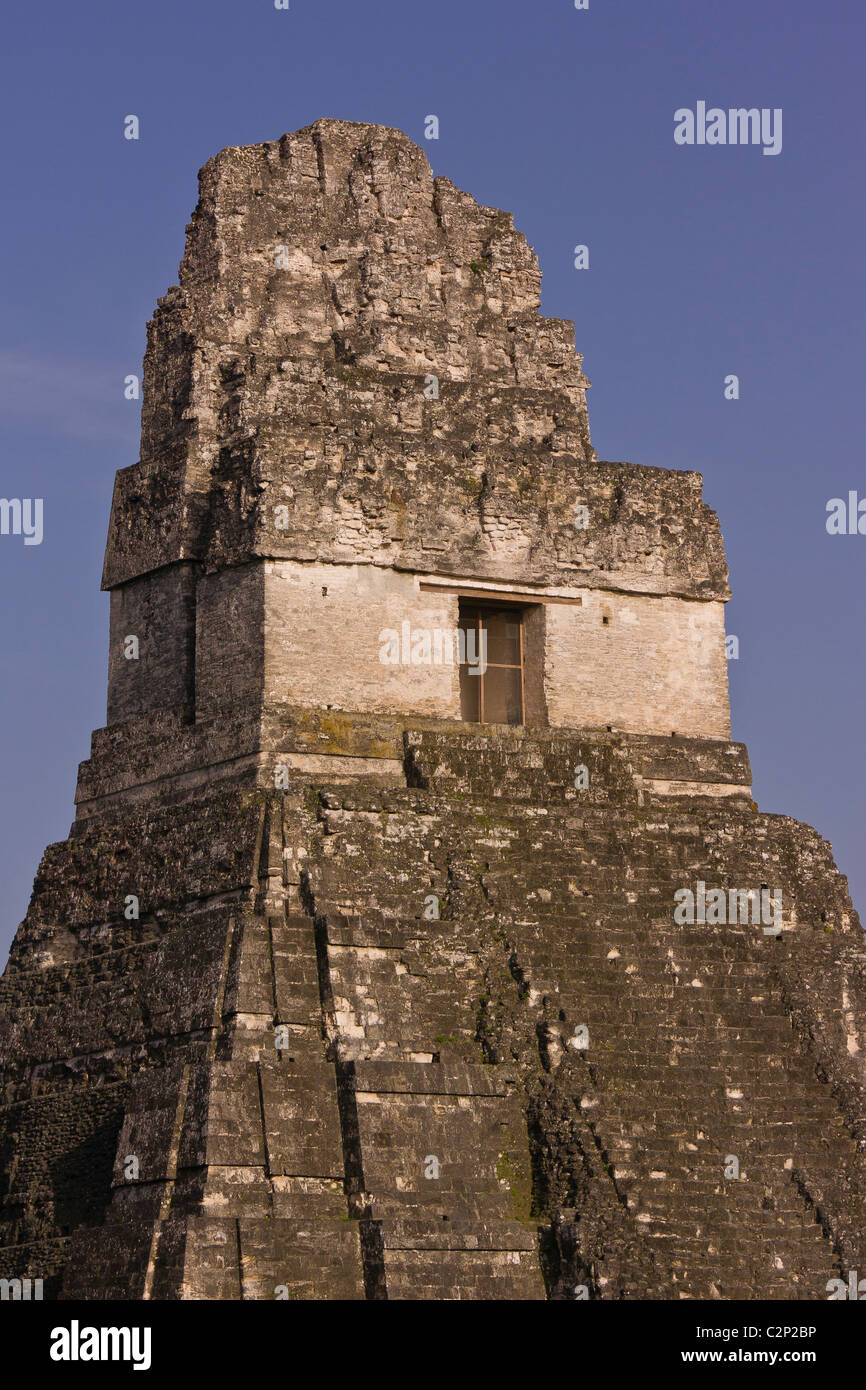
365,971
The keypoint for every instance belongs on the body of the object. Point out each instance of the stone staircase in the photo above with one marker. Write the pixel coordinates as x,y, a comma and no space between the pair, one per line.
692,1067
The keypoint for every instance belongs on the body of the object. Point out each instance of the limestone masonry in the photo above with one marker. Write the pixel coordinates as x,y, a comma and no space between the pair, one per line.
359,974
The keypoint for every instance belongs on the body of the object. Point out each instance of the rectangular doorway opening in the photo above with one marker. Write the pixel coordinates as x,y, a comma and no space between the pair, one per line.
492,663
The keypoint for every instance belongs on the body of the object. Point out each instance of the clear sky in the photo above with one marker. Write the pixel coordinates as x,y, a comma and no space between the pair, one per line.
705,261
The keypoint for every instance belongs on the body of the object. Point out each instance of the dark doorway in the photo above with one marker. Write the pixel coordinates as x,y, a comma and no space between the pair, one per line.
491,666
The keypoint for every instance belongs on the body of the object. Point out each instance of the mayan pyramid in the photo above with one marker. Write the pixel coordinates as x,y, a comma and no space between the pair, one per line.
368,969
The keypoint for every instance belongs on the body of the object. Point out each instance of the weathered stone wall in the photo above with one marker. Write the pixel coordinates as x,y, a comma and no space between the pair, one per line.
309,634
411,1036
229,641
325,277
322,643
157,609
657,665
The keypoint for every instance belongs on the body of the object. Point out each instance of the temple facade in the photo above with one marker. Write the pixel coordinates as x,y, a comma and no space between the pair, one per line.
368,968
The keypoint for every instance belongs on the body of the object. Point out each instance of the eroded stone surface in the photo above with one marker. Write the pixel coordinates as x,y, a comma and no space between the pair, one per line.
402,1009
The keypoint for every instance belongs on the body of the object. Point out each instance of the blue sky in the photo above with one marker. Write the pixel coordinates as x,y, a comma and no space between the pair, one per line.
704,261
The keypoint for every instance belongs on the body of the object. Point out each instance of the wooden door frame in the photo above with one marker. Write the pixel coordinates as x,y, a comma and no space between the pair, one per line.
496,605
